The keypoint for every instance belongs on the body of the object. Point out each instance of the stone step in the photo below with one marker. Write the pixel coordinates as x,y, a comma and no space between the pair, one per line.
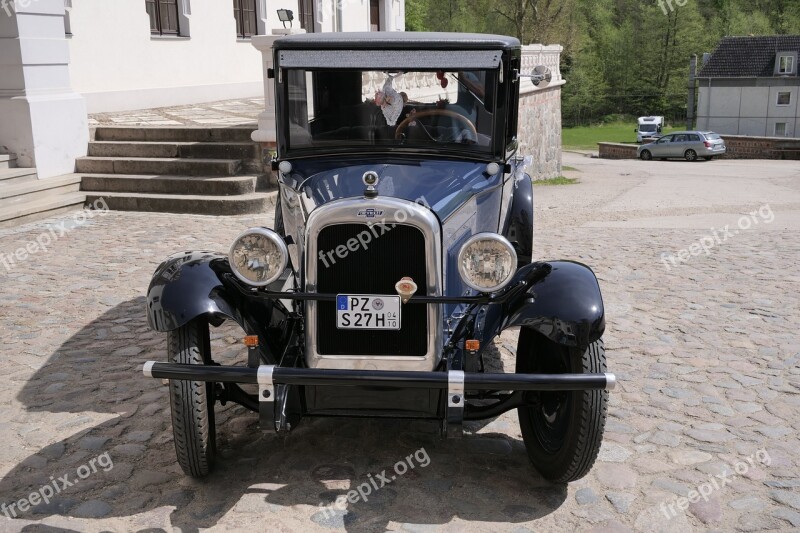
158,165
160,184
192,204
44,206
7,161
192,150
174,134
21,193
13,176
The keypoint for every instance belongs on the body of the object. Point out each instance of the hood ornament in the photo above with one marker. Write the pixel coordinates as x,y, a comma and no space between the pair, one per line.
405,288
370,179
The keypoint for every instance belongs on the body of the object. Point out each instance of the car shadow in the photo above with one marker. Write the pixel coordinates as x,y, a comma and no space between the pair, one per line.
105,406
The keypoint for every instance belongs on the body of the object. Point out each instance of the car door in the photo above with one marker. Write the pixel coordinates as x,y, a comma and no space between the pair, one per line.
678,146
662,146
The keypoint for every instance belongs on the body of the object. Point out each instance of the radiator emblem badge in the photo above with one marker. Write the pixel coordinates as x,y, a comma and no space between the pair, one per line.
369,212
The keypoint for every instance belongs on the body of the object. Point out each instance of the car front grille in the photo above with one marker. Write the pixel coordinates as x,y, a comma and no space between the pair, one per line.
374,269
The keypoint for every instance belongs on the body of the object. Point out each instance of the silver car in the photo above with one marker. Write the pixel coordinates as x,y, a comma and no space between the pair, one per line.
689,145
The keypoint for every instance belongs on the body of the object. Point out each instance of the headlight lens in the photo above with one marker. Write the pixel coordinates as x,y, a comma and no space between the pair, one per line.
487,262
258,256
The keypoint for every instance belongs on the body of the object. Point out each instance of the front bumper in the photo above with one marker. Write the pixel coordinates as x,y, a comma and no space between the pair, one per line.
454,382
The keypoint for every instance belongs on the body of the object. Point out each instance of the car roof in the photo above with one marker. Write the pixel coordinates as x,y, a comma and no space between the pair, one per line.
396,40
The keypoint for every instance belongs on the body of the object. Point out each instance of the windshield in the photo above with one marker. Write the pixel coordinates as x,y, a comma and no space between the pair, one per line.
453,110
647,127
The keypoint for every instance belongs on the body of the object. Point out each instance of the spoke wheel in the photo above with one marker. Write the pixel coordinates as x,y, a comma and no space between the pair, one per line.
646,155
690,155
562,430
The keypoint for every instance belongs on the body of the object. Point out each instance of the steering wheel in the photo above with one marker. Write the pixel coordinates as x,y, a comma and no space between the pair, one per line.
433,112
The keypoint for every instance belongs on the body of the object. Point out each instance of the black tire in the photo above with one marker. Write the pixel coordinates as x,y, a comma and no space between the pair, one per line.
192,402
690,155
562,431
646,155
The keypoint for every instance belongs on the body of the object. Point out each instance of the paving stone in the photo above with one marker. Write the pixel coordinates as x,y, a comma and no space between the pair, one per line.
786,497
788,515
92,509
585,496
615,476
93,443
707,511
621,500
689,457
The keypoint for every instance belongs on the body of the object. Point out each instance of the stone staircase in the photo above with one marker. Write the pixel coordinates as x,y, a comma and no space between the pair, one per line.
24,197
209,171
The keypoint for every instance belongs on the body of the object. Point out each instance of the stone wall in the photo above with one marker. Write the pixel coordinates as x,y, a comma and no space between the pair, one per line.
617,150
539,131
738,147
539,124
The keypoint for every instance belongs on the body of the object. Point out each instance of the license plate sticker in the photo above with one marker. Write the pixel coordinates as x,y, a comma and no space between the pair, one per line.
362,311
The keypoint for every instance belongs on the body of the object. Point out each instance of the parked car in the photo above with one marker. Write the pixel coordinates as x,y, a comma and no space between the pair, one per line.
689,145
402,246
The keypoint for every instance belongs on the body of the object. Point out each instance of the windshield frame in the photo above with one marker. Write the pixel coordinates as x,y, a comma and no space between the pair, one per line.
506,91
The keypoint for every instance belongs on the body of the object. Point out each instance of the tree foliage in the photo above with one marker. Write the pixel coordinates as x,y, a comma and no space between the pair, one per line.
620,56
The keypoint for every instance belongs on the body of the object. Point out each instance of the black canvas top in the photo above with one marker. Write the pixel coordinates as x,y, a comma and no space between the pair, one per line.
396,40
748,57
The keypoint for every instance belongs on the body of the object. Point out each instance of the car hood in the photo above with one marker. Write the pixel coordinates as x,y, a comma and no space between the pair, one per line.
442,184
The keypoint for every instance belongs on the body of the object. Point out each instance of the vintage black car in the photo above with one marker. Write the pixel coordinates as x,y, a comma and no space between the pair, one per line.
402,246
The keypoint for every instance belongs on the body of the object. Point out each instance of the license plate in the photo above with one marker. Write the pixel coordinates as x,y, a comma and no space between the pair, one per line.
362,311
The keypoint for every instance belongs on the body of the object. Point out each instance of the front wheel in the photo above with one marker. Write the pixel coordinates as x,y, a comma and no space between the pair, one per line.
690,155
192,402
646,155
562,430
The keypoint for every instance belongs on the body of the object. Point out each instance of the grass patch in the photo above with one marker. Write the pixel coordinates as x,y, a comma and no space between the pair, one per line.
559,180
587,137
569,168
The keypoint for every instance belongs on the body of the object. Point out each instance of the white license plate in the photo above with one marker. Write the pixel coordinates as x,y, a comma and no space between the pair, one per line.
362,311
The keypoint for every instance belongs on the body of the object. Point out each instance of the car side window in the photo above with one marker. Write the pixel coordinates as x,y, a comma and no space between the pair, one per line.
679,139
664,140
694,137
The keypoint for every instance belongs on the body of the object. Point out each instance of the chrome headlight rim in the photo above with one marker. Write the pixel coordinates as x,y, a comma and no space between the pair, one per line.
273,236
488,237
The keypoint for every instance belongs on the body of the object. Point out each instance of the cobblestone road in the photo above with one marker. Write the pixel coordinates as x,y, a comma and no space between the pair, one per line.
706,350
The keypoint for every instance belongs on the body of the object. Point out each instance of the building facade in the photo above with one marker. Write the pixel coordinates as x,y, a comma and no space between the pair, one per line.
750,86
62,59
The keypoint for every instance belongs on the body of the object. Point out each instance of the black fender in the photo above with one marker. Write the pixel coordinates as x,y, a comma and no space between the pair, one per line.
518,226
563,303
192,284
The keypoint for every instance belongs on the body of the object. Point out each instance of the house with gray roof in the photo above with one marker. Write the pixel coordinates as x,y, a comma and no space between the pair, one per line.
750,86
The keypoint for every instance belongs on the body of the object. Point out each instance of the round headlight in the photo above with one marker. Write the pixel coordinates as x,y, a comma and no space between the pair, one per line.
258,256
487,262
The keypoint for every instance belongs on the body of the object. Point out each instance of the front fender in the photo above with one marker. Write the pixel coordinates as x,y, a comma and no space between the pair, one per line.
192,284
564,305
187,285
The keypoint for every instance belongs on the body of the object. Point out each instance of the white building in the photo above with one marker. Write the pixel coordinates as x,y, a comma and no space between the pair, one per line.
63,59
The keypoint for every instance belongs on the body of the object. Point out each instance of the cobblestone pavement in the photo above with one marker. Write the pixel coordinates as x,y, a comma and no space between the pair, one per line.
223,113
706,352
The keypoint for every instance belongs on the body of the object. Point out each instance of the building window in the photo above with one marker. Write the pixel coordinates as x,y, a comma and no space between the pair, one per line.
306,14
780,129
246,18
374,15
784,98
163,17
786,64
